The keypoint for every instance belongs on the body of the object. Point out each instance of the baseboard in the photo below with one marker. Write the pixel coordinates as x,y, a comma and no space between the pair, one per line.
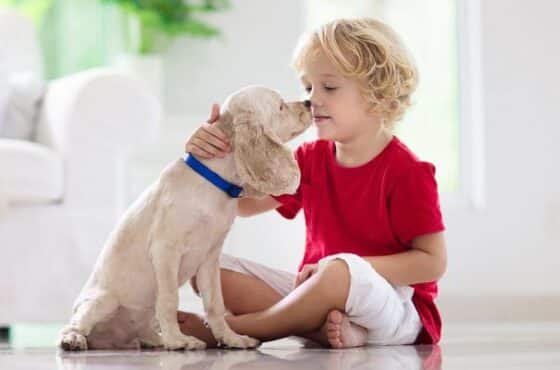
496,308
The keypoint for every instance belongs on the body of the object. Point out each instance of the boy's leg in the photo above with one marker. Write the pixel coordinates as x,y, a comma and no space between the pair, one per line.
247,294
262,310
303,310
242,294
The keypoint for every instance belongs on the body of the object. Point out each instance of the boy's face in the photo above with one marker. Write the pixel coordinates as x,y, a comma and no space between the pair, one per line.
340,113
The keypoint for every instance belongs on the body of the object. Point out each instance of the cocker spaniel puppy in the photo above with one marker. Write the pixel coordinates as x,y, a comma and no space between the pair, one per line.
176,229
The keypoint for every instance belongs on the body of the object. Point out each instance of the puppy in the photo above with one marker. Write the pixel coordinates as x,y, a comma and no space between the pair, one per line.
175,230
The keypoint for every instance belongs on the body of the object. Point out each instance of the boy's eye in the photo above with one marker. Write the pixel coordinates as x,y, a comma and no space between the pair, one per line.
328,88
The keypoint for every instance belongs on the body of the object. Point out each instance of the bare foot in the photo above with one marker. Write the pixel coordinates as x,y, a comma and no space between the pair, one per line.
341,333
192,324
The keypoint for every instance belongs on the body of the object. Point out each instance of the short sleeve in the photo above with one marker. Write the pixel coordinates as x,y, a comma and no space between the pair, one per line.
414,207
291,203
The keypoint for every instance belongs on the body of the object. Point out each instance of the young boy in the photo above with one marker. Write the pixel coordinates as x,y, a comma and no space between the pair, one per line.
375,246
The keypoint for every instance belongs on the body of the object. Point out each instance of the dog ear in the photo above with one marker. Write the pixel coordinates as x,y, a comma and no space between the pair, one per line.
262,161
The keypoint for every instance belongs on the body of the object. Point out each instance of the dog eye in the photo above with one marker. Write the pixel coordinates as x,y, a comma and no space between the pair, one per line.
281,106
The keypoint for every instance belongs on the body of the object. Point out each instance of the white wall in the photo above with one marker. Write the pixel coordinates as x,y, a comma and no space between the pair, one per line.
511,247
256,46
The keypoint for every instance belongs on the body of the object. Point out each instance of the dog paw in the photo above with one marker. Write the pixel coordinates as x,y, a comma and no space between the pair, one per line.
150,340
73,341
182,342
233,340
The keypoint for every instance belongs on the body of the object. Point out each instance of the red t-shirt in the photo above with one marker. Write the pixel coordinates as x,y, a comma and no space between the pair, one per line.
372,210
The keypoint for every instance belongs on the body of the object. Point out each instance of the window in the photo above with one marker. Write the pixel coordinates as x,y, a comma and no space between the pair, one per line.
74,34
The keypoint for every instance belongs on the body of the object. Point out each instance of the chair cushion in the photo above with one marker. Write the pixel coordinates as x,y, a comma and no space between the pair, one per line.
30,172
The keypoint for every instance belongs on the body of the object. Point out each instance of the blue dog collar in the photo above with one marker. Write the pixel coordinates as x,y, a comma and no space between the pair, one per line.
230,189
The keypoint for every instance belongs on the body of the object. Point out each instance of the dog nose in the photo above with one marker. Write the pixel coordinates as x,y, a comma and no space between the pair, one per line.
307,103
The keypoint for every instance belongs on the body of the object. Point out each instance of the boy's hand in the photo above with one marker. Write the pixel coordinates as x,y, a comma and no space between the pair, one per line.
306,272
208,141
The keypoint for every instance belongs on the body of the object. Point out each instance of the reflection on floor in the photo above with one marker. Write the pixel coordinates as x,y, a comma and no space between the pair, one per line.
482,346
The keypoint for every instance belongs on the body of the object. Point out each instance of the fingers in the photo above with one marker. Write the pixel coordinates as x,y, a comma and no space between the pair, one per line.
214,113
200,146
200,149
214,131
209,141
300,279
204,143
302,276
210,128
211,136
305,273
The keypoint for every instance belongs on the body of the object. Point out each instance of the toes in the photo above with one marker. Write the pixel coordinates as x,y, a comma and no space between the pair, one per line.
333,328
333,338
335,317
335,342
334,335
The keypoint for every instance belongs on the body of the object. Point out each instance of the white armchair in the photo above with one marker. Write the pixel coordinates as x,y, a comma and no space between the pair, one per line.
63,193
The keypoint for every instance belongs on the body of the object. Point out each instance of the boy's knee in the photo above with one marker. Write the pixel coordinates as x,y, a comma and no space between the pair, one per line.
334,282
335,273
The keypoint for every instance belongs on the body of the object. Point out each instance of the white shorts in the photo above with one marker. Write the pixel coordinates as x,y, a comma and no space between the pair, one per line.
386,311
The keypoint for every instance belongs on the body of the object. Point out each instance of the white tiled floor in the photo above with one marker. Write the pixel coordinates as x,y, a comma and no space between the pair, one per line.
534,346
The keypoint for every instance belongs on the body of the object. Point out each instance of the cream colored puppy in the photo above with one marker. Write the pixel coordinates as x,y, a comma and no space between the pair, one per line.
175,230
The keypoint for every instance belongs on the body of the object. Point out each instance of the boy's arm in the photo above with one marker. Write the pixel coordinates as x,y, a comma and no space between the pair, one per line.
426,261
250,206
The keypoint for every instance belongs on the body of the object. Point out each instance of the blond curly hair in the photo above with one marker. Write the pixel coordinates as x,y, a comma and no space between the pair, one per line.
371,51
